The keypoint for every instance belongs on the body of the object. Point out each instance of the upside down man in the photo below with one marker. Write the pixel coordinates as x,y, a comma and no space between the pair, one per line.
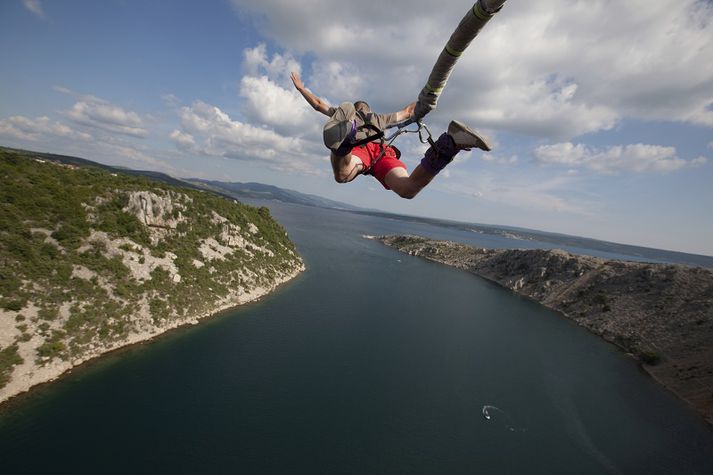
351,123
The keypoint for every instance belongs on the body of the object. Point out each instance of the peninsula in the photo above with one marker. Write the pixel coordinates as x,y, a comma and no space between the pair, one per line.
659,313
92,260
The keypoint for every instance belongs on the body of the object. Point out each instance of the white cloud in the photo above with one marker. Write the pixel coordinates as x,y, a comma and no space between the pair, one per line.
44,133
552,68
341,81
35,7
268,103
214,133
619,158
698,161
270,98
256,63
183,139
171,100
109,117
25,128
98,113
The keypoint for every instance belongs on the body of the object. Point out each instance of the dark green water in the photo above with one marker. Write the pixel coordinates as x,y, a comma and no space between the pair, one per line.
371,362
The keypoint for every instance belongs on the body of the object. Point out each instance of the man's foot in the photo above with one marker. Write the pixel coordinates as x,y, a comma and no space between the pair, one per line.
492,6
465,138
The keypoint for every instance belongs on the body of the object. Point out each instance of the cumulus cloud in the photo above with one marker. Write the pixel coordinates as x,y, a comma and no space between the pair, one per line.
552,68
698,161
25,128
42,132
340,80
611,160
35,7
256,63
183,139
98,113
268,103
171,100
208,130
109,117
270,98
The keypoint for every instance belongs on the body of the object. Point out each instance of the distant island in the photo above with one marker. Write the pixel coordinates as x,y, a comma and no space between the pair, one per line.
662,314
92,260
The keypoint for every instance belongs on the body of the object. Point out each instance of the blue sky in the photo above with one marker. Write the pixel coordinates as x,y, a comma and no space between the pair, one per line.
601,112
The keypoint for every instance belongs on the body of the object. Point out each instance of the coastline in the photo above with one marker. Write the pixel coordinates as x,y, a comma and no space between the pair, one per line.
659,314
24,383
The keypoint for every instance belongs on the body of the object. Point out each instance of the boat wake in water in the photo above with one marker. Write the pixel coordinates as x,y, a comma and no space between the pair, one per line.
500,418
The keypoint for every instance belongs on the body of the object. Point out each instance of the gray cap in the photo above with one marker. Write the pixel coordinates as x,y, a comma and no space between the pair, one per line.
339,125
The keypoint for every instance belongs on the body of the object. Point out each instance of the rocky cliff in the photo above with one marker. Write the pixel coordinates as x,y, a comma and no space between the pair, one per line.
91,261
661,314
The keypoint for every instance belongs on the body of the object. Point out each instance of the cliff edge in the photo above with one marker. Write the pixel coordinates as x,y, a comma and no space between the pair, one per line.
91,261
662,314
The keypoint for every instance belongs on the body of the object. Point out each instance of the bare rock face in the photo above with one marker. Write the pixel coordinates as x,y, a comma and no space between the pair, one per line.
660,313
154,210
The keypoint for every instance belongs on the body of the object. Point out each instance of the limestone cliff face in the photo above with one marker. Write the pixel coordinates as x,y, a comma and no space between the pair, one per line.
92,261
662,314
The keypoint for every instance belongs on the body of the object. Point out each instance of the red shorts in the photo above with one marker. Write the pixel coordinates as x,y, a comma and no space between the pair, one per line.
369,152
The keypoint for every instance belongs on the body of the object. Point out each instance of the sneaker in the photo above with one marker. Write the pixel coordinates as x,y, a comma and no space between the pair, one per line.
465,138
492,6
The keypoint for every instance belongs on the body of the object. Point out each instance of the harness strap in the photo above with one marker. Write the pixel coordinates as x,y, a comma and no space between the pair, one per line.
378,135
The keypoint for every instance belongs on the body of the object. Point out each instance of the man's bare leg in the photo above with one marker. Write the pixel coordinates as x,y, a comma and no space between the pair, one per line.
439,154
405,185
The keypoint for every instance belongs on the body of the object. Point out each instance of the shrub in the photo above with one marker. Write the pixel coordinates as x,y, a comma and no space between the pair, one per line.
600,298
649,357
48,313
8,359
51,349
70,235
13,305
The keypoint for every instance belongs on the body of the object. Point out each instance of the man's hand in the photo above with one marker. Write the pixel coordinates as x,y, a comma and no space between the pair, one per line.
297,81
406,112
317,104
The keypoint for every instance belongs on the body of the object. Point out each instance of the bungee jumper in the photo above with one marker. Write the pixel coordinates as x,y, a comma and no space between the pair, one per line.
356,136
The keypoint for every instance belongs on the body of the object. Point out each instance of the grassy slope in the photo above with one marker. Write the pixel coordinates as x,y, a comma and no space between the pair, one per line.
47,214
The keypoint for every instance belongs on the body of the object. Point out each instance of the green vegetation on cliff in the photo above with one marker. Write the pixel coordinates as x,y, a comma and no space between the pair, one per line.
89,258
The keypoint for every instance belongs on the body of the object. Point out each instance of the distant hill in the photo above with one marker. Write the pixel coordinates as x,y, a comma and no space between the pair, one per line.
583,244
234,190
260,191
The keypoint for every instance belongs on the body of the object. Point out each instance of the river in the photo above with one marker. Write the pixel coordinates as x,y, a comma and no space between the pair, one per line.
370,362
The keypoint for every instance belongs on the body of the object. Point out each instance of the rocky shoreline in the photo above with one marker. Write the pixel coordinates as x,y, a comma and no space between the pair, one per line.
94,261
29,375
661,314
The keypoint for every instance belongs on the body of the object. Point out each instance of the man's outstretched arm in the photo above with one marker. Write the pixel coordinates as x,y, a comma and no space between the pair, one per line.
317,104
406,112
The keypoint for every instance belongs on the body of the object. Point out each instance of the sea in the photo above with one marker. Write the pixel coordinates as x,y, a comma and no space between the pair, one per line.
370,362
